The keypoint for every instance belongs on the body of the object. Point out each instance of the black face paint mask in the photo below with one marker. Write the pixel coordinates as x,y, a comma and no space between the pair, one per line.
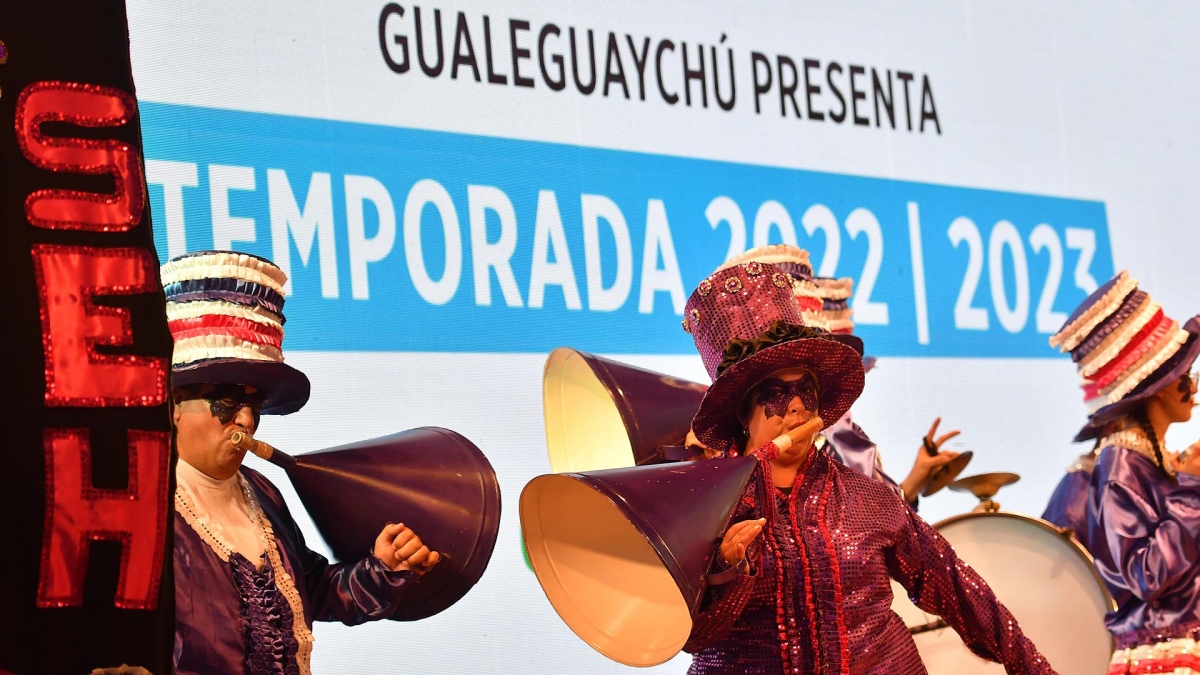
225,400
775,395
1185,386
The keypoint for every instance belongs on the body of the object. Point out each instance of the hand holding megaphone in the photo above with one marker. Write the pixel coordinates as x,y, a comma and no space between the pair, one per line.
738,537
396,546
741,534
400,548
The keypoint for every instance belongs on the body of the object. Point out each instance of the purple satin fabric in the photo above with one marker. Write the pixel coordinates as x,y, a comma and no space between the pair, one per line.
1068,504
855,449
1143,530
225,288
267,633
874,536
210,613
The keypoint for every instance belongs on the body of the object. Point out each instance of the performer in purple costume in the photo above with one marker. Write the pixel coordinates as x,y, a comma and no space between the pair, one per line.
823,304
1143,502
247,588
813,594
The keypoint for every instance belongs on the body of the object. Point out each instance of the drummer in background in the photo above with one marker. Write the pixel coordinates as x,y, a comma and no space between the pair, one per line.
1143,502
823,304
812,593
247,588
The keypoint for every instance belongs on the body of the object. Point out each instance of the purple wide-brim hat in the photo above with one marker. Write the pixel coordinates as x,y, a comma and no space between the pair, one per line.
836,361
287,389
1167,374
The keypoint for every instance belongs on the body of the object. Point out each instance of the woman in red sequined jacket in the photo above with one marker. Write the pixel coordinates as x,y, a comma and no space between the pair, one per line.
816,542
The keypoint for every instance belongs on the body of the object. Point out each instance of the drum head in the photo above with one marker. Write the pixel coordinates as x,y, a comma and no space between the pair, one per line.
1044,578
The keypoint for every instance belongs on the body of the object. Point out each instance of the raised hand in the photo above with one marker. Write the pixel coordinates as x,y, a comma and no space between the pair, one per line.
930,457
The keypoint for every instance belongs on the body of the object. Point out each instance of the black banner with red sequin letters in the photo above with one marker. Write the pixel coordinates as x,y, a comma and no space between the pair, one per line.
85,578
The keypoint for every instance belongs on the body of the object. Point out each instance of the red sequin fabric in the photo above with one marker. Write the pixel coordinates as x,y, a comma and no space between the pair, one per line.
817,598
83,105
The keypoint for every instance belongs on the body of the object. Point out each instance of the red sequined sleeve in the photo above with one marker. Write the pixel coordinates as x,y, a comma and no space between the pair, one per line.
719,610
939,583
722,605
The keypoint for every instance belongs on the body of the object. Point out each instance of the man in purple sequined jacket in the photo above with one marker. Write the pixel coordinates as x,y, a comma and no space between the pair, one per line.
816,541
247,588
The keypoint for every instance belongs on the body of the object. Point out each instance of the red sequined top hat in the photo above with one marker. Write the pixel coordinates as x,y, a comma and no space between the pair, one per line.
824,301
1125,349
225,312
743,320
794,261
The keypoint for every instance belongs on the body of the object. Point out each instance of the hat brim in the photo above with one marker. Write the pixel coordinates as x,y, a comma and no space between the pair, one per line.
836,362
287,389
1179,363
1089,432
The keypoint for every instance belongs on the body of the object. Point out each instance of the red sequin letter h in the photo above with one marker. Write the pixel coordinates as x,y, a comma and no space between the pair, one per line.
78,513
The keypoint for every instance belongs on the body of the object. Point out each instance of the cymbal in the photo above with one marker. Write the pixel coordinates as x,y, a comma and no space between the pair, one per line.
984,485
944,474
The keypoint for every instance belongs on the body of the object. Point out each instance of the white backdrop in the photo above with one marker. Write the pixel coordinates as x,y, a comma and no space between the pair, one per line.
1085,103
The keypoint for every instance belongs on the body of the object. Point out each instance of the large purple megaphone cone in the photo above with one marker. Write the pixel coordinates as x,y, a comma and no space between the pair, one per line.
623,554
431,479
602,414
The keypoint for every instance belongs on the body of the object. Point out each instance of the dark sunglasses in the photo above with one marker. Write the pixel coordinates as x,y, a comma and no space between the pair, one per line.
225,401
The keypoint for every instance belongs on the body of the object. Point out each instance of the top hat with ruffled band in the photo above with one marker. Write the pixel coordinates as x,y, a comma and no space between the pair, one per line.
1125,350
225,313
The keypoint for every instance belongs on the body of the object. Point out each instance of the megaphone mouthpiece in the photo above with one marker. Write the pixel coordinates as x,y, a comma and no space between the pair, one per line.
244,441
799,434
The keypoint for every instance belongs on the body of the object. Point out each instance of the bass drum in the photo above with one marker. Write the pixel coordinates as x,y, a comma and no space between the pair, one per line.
1042,575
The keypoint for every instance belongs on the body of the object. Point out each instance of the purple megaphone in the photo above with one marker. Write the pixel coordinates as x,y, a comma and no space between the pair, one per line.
432,479
602,414
623,555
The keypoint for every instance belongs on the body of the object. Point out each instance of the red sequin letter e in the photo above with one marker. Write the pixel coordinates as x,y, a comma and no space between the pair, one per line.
68,280
83,105
78,513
